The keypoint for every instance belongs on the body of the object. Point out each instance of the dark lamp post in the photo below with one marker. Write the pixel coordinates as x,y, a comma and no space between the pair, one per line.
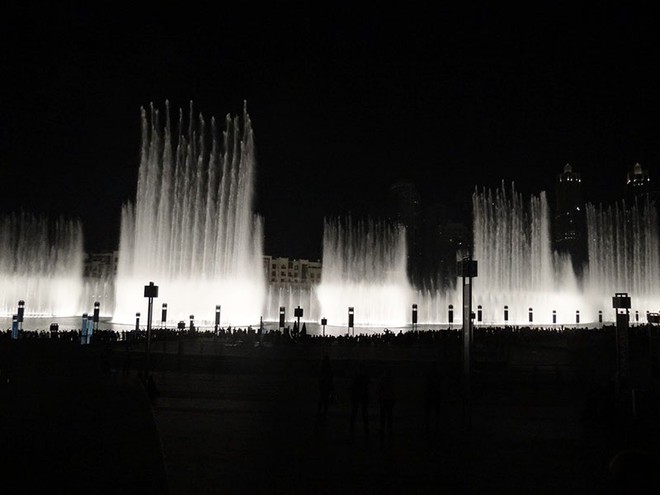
150,292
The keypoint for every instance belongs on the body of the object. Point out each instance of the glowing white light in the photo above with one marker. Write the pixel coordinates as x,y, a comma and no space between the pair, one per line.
192,230
44,270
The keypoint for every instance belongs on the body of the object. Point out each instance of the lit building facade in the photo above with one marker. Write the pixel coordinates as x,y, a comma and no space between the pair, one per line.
638,182
301,273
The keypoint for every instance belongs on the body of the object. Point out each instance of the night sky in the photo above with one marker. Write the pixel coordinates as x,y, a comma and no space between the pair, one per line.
344,101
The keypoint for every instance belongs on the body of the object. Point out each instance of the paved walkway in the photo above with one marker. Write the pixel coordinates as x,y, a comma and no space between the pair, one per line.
251,427
69,426
246,422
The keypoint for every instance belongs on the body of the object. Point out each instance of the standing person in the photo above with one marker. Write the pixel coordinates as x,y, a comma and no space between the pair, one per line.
386,398
326,388
360,399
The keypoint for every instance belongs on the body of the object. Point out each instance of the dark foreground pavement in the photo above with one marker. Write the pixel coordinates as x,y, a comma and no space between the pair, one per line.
244,420
68,425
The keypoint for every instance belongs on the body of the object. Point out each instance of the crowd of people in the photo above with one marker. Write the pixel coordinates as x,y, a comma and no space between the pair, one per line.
482,335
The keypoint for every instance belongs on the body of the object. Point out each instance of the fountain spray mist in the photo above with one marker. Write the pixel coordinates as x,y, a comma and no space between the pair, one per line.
192,229
42,264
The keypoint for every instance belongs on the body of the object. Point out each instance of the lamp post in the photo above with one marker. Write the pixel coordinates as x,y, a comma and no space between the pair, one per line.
351,313
20,314
450,315
14,327
150,292
90,328
282,314
324,322
163,316
621,304
97,315
467,270
414,317
217,318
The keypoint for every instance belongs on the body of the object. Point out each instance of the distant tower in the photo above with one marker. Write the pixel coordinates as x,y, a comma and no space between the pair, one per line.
638,182
569,218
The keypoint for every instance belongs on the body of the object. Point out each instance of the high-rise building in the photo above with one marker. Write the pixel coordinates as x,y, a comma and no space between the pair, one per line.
569,226
443,239
638,182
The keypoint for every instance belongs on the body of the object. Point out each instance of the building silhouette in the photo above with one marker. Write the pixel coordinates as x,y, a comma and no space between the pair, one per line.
569,225
444,239
638,183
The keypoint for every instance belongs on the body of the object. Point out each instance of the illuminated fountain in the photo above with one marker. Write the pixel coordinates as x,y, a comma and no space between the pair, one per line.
624,255
40,263
364,267
517,267
191,229
193,232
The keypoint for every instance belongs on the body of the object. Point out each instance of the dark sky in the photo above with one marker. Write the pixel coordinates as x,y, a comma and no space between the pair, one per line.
344,101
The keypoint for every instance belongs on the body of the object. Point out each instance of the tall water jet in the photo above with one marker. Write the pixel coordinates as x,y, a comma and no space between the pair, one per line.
517,267
41,263
192,229
364,267
624,254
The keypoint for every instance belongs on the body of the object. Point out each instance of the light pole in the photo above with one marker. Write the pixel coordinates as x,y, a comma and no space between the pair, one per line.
150,292
97,315
414,316
163,316
21,313
217,318
324,322
450,315
467,270
351,313
282,315
621,304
